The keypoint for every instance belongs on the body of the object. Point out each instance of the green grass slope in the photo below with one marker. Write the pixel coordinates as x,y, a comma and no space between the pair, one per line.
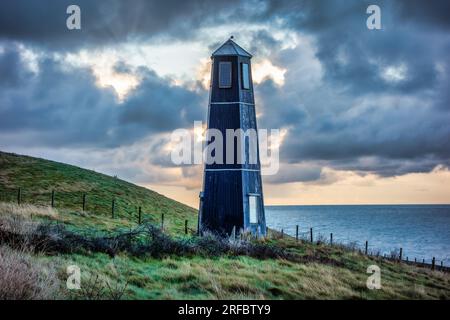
317,271
37,178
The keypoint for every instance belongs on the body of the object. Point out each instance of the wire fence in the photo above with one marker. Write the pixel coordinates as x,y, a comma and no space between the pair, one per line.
90,203
117,207
395,255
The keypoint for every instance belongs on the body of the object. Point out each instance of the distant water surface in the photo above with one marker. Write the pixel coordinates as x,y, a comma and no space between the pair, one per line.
423,231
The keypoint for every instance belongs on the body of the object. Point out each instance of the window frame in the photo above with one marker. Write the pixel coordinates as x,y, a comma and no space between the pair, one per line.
220,75
245,76
253,214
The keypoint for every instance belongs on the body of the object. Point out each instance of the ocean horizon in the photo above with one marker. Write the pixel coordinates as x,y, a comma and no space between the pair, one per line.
421,230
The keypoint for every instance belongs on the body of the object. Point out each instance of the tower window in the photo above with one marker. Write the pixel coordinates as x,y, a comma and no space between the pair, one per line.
245,76
252,200
224,74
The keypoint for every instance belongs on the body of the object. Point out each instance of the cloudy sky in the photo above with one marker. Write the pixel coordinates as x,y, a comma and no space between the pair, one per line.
365,113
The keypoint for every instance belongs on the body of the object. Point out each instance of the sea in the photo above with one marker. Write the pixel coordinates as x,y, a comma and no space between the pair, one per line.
422,231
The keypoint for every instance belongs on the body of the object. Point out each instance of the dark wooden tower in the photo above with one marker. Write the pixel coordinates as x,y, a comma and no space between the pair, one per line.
232,194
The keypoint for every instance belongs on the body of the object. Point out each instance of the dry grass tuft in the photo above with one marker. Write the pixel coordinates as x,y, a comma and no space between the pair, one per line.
26,210
22,277
17,220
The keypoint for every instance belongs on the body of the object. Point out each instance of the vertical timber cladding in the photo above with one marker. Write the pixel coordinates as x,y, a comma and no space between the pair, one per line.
230,188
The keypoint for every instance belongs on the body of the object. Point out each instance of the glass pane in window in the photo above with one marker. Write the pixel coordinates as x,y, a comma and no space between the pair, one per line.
225,75
253,211
245,76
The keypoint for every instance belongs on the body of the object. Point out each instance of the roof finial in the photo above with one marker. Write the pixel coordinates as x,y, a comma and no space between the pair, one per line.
231,37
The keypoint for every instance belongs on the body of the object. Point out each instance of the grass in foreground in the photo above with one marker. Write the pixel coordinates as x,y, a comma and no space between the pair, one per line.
248,278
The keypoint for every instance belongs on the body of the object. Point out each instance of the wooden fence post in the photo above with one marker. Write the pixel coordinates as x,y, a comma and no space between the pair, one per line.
331,238
267,232
162,222
186,228
139,215
433,263
296,232
311,234
400,255
53,199
19,196
84,201
367,247
282,233
112,208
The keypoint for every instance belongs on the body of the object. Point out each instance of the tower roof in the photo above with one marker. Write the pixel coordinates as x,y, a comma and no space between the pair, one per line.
231,48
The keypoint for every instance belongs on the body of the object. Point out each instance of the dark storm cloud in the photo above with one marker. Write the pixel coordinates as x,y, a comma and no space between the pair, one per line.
325,15
281,110
11,71
432,14
43,23
302,173
263,43
391,167
62,106
155,104
398,132
341,34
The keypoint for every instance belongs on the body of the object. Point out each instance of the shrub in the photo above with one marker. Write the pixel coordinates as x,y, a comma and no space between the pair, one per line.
22,277
97,288
144,240
17,228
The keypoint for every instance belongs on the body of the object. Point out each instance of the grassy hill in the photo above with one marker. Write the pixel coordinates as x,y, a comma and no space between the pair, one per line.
249,269
37,178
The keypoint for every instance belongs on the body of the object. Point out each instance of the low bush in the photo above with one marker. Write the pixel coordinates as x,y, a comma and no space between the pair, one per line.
145,240
24,278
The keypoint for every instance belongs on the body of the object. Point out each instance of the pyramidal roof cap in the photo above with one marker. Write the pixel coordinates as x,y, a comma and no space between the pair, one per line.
230,48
